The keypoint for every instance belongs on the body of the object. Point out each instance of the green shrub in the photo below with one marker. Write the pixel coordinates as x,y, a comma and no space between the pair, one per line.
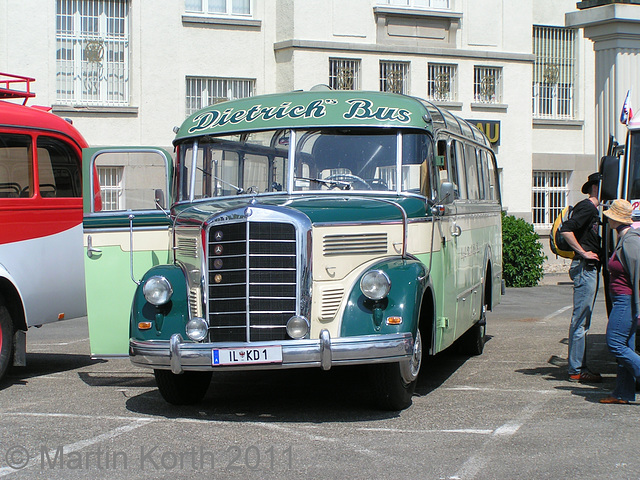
522,254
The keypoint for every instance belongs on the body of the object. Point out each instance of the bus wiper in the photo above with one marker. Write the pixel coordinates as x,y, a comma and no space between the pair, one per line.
328,183
238,190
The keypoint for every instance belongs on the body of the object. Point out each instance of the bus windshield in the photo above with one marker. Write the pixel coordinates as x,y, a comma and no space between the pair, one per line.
324,159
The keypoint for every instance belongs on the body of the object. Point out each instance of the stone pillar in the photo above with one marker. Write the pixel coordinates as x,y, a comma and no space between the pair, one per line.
614,27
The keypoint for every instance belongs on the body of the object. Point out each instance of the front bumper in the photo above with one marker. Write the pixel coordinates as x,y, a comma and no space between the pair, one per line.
179,355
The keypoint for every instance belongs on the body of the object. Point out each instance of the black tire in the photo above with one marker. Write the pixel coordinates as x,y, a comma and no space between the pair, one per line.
472,341
186,388
6,340
393,391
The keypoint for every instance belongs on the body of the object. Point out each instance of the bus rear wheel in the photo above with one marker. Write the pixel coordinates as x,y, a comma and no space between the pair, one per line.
6,340
186,388
395,383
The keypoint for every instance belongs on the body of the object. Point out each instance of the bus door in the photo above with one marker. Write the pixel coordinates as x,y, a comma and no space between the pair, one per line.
448,231
126,231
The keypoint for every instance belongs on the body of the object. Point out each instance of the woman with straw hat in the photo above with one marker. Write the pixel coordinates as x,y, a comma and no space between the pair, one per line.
624,269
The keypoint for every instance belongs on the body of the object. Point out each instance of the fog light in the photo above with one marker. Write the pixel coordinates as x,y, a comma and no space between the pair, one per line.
157,290
375,284
197,329
297,327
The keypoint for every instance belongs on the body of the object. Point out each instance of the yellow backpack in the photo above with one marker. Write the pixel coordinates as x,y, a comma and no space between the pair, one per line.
557,242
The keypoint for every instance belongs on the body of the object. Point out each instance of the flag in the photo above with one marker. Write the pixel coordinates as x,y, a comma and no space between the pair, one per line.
627,113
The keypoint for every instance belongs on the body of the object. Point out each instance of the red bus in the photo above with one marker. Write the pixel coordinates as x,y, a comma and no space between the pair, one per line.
41,254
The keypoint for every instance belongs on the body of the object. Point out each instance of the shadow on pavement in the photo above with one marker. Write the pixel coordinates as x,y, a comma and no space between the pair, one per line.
342,394
40,364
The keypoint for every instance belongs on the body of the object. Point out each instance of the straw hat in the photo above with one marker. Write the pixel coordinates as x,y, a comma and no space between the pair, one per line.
620,211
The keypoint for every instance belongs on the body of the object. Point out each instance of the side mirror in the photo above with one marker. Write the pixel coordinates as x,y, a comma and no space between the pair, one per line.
159,198
447,193
610,171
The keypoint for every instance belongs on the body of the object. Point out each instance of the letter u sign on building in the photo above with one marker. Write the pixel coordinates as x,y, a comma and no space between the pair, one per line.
491,128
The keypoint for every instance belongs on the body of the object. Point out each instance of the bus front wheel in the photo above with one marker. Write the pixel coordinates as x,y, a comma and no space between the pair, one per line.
186,388
395,382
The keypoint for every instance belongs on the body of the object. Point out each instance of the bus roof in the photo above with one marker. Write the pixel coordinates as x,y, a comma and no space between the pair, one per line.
323,108
34,117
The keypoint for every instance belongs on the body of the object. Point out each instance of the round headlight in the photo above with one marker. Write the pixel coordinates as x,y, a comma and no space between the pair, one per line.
197,329
157,290
375,284
297,327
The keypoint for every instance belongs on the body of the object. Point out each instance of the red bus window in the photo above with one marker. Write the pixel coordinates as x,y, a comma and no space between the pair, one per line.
59,173
15,166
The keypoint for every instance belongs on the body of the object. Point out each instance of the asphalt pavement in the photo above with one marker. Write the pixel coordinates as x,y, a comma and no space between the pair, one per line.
510,413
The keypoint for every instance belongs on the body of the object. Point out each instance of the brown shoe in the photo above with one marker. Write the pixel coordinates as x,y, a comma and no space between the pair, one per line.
586,377
609,400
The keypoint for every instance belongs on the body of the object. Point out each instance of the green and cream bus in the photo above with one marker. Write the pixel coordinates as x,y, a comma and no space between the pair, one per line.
302,230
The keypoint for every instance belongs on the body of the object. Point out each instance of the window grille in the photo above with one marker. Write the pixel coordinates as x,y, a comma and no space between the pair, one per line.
487,84
219,7
550,193
442,82
110,179
92,52
444,4
394,77
553,71
344,74
203,91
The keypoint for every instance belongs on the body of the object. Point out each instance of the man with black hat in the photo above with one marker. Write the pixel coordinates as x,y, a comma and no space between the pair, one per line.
581,232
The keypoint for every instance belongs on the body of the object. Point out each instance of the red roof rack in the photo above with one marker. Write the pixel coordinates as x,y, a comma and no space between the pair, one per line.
8,84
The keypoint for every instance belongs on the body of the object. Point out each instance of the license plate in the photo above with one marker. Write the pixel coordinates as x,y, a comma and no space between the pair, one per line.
242,356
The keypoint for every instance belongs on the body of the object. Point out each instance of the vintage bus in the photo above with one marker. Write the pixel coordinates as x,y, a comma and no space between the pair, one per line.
308,229
41,259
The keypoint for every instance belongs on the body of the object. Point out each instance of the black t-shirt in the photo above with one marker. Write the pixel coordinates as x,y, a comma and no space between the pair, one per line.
584,225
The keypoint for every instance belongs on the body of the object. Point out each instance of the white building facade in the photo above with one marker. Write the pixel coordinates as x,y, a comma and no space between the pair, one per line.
127,71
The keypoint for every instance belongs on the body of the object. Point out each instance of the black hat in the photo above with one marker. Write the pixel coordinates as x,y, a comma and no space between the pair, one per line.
593,179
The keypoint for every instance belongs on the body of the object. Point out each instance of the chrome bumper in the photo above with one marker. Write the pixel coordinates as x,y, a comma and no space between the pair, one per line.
179,356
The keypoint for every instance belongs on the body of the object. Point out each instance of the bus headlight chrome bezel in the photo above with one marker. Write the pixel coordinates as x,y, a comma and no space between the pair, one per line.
197,329
375,285
157,290
298,327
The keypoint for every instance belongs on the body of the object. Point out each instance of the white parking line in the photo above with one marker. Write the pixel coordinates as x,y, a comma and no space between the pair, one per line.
477,462
74,447
555,314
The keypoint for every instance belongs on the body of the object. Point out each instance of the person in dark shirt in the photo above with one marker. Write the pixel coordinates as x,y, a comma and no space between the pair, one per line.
581,232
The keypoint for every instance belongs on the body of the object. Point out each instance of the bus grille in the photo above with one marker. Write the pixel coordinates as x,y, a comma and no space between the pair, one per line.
252,281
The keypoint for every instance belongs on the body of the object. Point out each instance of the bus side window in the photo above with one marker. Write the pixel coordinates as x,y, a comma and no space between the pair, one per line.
59,173
15,166
483,175
492,177
471,169
458,177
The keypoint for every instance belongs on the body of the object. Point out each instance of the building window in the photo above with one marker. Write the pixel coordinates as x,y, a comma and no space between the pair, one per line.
219,7
203,91
444,4
550,193
92,52
394,77
487,84
344,74
110,179
442,82
553,71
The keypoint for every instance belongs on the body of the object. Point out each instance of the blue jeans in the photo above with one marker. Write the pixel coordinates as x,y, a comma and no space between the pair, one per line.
621,340
585,284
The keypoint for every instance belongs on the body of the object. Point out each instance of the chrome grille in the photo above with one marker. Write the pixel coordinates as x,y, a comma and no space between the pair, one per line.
252,280
353,244
188,247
